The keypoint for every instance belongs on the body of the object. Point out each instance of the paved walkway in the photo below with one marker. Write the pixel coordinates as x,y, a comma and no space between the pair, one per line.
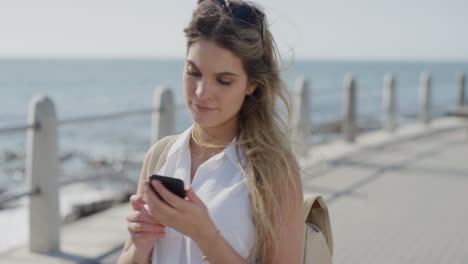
95,239
402,202
399,199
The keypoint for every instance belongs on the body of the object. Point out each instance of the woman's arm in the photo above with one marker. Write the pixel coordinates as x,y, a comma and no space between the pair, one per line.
130,254
217,249
290,246
134,256
191,218
291,233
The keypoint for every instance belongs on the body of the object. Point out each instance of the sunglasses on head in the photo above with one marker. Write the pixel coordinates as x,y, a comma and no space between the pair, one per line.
243,14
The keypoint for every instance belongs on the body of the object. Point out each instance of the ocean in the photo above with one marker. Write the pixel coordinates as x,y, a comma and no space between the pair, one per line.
84,87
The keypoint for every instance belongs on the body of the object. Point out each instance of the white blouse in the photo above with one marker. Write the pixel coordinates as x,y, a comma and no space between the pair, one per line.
220,185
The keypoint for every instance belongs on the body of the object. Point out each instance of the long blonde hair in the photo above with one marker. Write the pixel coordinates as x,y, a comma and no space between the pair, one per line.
272,169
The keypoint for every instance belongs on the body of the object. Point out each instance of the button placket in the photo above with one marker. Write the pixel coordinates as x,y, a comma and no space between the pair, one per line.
205,168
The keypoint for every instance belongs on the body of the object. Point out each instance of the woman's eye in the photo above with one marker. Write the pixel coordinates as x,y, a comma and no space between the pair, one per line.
224,83
196,74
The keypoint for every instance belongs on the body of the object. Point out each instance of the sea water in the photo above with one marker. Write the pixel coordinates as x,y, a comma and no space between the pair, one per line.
88,87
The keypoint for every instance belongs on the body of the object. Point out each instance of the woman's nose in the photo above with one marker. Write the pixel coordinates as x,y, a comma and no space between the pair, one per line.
203,90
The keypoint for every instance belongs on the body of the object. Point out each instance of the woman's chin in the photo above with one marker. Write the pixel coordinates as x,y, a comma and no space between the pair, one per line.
203,121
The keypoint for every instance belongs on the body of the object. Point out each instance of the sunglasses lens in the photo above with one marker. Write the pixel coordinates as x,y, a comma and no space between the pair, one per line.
219,2
245,15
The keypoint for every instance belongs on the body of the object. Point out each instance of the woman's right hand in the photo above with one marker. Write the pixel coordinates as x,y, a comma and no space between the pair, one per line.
144,230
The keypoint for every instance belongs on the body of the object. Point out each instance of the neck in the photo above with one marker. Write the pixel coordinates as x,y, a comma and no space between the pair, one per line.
223,133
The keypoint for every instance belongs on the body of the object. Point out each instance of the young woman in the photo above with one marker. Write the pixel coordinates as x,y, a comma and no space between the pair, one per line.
244,201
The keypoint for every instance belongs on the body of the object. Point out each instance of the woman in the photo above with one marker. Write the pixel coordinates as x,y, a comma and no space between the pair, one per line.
244,203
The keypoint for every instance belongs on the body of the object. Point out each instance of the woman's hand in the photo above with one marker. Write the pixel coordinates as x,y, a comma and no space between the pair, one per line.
189,217
144,230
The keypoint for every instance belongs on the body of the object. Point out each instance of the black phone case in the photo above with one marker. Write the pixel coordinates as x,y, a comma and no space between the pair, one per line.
176,186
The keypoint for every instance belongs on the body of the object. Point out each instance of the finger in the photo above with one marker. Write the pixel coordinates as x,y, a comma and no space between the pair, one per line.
137,201
146,235
147,215
138,216
170,198
145,227
159,210
193,196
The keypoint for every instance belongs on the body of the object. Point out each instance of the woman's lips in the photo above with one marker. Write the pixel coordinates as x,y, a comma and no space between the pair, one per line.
204,109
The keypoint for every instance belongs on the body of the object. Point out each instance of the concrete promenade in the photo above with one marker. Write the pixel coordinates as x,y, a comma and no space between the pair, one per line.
396,200
399,199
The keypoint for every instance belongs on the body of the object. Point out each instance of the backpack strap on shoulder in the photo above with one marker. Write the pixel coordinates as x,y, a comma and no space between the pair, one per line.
159,154
316,212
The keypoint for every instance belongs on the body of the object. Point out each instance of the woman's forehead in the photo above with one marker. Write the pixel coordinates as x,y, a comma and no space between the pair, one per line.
207,55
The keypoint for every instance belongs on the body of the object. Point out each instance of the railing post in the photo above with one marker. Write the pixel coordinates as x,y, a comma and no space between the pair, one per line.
42,173
162,120
389,103
349,121
302,122
460,89
425,98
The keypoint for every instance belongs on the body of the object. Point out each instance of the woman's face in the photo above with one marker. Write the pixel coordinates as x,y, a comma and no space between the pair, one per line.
215,84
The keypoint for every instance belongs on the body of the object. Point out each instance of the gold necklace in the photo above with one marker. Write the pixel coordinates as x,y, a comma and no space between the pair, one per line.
199,154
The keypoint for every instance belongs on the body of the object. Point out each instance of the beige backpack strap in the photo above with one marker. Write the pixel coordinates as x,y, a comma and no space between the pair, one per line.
159,154
316,212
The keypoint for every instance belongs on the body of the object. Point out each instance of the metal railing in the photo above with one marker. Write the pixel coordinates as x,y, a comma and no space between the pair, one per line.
348,124
19,129
42,161
42,142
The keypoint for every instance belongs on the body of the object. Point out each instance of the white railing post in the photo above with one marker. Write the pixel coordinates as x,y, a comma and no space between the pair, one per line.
460,89
425,98
42,173
389,103
349,128
301,120
163,121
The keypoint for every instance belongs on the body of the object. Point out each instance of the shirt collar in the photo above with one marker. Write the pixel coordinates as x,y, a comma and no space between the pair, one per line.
231,153
183,141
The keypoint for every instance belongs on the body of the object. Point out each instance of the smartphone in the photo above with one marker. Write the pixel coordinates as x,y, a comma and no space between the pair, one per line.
176,186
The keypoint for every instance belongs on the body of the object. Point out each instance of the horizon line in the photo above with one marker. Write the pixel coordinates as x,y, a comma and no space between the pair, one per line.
297,59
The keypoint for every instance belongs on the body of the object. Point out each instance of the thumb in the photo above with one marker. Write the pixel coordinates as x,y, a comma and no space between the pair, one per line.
193,196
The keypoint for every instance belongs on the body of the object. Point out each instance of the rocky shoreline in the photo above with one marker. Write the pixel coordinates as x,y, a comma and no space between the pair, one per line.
114,179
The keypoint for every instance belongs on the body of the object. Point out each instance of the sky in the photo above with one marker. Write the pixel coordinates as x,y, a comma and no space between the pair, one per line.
304,29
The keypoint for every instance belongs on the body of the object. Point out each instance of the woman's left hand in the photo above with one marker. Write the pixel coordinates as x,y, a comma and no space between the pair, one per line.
189,217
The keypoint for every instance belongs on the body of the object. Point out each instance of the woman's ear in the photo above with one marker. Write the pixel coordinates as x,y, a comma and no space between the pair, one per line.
251,88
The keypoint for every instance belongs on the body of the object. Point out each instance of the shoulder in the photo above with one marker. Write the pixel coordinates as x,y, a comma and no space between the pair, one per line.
158,152
165,144
162,144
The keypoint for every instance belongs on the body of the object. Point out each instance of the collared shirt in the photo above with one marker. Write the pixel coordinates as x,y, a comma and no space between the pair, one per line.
219,183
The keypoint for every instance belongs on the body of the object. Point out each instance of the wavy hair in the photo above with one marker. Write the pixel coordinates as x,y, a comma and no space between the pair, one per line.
272,169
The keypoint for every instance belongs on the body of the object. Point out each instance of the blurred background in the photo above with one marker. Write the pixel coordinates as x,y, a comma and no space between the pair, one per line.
107,56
